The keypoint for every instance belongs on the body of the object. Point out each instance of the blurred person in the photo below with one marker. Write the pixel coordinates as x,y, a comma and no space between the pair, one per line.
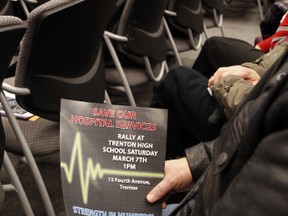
190,106
244,171
194,115
222,51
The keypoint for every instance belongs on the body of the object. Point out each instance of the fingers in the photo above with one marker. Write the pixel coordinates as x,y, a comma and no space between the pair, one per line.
158,192
237,70
178,177
253,77
164,203
211,81
216,76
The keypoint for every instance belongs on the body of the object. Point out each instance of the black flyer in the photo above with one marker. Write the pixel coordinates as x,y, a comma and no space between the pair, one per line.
111,157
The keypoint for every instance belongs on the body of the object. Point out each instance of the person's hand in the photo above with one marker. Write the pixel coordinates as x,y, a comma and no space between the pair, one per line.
246,73
178,178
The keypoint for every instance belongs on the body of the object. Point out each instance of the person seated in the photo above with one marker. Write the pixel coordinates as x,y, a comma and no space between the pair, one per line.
278,37
194,115
222,51
248,172
184,93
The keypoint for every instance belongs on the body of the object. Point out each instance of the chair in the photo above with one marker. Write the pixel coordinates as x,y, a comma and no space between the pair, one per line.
12,30
24,7
60,57
213,15
140,40
6,7
185,24
266,4
68,58
272,18
188,20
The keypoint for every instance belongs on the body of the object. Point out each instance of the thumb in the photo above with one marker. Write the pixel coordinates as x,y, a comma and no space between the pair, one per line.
158,192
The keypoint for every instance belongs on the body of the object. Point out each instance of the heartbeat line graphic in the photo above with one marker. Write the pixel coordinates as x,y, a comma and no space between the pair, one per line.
94,171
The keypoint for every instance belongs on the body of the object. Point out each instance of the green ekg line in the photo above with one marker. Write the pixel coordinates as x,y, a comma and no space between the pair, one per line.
92,172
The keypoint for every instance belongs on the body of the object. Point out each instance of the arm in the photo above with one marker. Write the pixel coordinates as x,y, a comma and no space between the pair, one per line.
177,178
232,84
278,37
179,173
230,91
246,73
262,64
199,157
250,71
262,181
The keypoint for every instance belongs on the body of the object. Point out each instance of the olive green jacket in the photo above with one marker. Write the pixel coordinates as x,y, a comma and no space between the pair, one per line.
231,90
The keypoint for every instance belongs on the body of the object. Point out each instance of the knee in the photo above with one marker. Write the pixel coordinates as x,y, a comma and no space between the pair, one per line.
176,74
179,71
168,87
173,77
211,43
179,76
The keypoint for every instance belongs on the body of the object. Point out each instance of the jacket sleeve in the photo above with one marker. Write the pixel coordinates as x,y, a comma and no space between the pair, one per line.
230,91
199,157
262,64
262,183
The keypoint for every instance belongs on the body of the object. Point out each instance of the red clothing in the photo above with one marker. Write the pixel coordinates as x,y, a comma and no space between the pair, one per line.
280,36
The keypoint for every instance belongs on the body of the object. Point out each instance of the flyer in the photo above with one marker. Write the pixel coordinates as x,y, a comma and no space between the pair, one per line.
111,157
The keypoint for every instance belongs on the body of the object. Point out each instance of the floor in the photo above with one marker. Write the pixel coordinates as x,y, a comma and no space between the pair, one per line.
241,20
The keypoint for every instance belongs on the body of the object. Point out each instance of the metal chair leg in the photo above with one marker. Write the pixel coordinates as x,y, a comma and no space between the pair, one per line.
16,185
28,154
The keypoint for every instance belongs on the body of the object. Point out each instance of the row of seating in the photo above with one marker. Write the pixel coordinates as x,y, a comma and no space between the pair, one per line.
173,26
61,56
262,9
183,24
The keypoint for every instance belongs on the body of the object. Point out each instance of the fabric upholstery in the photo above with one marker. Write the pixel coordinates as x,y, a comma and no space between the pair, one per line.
43,141
9,21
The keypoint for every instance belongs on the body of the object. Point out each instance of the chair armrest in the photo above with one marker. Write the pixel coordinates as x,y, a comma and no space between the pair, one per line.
170,13
32,1
15,90
115,36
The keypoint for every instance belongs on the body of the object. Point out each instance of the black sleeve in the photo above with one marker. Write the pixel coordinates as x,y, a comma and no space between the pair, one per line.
199,156
262,182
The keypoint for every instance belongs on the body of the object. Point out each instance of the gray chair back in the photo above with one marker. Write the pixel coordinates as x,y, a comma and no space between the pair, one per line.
6,7
142,22
189,15
11,32
214,4
60,55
